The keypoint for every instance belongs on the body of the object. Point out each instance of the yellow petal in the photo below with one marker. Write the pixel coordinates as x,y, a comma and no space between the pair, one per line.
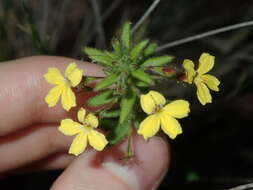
151,100
149,126
70,68
91,120
211,81
177,109
81,114
170,126
206,63
203,93
189,68
73,74
68,98
97,140
79,144
53,95
69,127
53,76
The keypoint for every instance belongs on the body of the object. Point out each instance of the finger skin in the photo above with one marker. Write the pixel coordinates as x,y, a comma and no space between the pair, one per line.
22,99
31,144
56,161
23,89
92,170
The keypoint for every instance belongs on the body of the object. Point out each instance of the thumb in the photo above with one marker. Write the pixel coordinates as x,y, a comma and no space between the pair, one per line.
106,170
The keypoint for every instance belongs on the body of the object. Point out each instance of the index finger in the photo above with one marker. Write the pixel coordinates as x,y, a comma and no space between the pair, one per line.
23,88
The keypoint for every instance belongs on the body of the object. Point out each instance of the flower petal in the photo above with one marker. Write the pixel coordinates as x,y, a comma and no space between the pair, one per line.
170,126
211,81
79,144
151,100
73,74
149,126
203,93
68,98
91,120
53,95
206,63
70,127
54,76
81,115
177,109
189,68
97,140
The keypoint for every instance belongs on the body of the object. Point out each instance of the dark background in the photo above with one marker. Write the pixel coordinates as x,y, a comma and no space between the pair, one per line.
216,148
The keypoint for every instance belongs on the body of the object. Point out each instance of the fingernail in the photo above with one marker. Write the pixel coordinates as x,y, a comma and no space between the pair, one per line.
125,173
146,169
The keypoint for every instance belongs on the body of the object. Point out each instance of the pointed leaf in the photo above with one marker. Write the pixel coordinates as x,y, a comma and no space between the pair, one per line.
141,84
120,132
99,56
142,76
101,99
108,124
116,47
110,114
125,35
106,82
137,49
151,49
126,105
157,61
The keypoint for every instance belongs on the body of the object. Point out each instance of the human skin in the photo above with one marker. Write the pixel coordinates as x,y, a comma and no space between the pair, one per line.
30,141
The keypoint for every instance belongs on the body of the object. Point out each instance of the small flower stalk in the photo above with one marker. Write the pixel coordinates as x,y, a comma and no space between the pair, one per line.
126,100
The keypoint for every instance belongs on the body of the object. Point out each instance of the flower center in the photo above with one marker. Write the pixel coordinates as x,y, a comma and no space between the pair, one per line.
87,128
157,109
198,79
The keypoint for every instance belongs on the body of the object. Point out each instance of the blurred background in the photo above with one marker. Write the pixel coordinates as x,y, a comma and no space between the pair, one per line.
216,149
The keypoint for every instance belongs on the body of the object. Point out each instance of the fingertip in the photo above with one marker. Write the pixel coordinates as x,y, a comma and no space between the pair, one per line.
154,157
108,169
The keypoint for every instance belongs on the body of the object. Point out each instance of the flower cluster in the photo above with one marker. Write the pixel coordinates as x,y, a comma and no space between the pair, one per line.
131,71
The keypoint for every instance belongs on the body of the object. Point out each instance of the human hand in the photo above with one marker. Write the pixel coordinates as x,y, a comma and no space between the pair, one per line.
30,141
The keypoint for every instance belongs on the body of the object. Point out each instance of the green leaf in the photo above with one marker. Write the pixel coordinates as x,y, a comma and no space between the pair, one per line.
120,132
112,55
125,35
151,49
101,99
110,114
106,82
157,61
137,49
99,56
89,79
142,76
108,124
141,84
116,47
126,105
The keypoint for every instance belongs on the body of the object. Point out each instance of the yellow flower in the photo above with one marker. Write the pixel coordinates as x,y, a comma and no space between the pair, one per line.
202,80
152,103
84,132
73,77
